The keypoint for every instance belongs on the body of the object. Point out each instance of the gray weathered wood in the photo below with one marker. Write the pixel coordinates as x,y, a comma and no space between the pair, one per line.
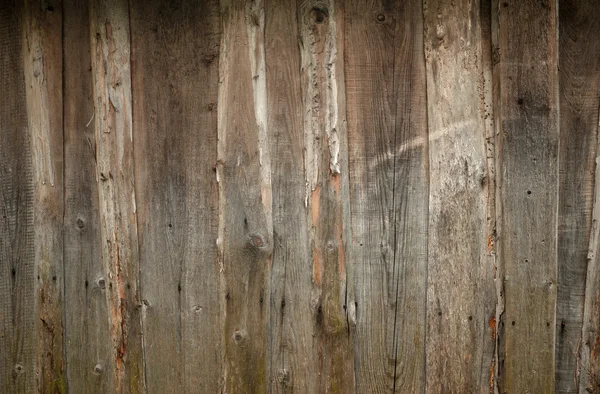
175,48
579,49
111,75
17,256
461,297
387,129
529,189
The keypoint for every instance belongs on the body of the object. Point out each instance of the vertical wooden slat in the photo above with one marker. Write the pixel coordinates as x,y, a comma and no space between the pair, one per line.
42,46
529,190
110,54
579,73
461,293
387,127
243,172
17,256
86,311
175,48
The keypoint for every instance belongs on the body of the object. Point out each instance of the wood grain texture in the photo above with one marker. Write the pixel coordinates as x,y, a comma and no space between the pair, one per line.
17,254
579,73
175,48
245,223
88,344
461,297
387,132
42,57
110,54
529,190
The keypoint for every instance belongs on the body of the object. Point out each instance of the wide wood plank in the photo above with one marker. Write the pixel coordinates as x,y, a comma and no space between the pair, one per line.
175,48
119,283
529,189
17,255
579,73
387,131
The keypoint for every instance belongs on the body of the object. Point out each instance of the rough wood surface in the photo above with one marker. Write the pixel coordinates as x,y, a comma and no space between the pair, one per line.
110,54
17,256
42,57
529,189
176,190
579,72
460,290
385,74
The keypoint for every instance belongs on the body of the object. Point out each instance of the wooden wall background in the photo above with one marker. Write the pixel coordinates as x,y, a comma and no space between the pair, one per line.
299,196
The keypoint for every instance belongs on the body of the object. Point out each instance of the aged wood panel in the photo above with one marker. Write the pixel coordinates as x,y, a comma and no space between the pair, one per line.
42,57
244,175
579,73
17,255
529,170
110,54
175,48
387,129
460,294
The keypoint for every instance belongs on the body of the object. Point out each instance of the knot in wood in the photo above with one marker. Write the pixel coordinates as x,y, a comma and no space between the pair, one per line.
98,369
257,241
239,336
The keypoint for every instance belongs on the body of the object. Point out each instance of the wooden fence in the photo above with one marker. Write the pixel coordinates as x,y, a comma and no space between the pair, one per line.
317,196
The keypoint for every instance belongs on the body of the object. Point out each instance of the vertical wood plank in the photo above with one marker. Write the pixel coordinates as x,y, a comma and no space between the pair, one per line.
579,73
461,294
175,48
245,223
387,128
529,190
110,54
42,46
17,255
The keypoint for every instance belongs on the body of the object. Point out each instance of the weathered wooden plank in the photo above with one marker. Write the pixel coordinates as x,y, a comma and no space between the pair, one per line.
86,311
175,79
579,73
461,297
387,132
42,47
529,189
17,256
294,359
111,76
245,222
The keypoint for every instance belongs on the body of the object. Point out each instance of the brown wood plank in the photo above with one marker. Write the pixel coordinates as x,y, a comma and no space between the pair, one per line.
86,313
42,47
243,172
529,189
17,255
175,47
579,73
461,297
111,75
387,128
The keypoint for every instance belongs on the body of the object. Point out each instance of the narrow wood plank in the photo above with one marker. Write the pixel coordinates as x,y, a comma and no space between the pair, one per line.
86,313
529,190
579,73
42,46
17,255
111,75
175,48
294,359
245,223
461,297
387,131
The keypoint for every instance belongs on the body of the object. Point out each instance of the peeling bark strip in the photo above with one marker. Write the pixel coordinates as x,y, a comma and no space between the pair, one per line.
579,48
42,56
17,255
529,168
243,172
109,26
461,296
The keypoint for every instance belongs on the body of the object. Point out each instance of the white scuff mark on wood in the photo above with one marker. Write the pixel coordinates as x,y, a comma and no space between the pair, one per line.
331,120
90,121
